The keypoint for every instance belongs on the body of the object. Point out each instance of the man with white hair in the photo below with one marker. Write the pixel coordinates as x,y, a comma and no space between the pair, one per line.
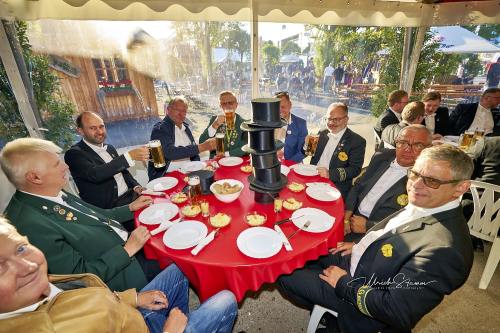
405,264
75,236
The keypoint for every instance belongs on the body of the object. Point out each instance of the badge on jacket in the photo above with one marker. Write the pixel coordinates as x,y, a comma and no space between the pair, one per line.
343,156
402,199
387,250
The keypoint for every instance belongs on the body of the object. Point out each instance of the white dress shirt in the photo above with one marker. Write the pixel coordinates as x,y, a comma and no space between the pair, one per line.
30,308
430,122
393,174
181,139
482,120
103,153
331,145
408,214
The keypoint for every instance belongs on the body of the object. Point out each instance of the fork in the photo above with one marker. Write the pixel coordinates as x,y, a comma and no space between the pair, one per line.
304,227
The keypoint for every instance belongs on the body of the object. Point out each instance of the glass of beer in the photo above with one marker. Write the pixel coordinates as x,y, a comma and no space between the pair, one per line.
311,144
219,144
194,189
156,153
230,115
278,205
205,208
467,140
479,134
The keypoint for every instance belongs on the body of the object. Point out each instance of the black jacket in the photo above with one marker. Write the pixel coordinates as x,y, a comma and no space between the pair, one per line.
386,118
441,121
463,116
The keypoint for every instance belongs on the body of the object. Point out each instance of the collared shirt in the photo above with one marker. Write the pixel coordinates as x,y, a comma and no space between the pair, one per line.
122,186
328,71
181,140
59,199
331,145
430,122
408,214
30,308
393,174
280,133
482,120
396,114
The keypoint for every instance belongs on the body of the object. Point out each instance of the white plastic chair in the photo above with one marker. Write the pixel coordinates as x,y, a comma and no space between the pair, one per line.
378,140
484,224
317,313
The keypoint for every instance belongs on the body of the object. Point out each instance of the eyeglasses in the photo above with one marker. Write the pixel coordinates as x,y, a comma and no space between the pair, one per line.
413,146
228,103
335,120
429,181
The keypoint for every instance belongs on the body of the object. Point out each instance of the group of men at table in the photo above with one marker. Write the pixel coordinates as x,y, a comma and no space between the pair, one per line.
410,242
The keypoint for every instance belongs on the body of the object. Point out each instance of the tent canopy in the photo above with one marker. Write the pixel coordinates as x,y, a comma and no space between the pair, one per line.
407,13
459,40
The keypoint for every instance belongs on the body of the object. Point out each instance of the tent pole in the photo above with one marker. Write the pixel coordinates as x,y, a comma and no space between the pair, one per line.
13,61
403,74
254,31
415,55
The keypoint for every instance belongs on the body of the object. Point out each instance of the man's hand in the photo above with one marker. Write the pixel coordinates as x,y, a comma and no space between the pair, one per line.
139,154
207,145
152,300
138,189
176,322
219,120
136,241
437,136
345,248
323,172
332,275
139,203
358,224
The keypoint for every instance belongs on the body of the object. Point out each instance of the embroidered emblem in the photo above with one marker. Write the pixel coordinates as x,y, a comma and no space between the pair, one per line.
62,211
361,299
56,208
69,216
387,250
402,199
343,156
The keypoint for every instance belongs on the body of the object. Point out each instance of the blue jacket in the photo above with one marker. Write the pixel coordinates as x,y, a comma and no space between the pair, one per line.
295,138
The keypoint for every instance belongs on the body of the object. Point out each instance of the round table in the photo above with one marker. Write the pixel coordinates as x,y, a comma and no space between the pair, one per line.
220,265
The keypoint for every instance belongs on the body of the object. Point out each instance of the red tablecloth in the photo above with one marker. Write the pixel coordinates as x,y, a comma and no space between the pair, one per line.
220,265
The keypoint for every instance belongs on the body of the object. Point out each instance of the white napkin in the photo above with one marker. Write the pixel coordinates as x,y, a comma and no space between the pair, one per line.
158,187
149,192
204,242
318,184
163,226
285,241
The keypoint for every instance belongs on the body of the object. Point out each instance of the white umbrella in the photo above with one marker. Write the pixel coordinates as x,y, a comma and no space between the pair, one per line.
455,39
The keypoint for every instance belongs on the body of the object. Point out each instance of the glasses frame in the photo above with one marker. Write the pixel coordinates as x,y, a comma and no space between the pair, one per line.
429,181
335,120
412,146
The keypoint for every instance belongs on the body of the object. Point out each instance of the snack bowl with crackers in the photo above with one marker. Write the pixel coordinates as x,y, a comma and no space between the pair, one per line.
246,168
227,190
291,204
255,219
191,210
178,197
219,220
296,187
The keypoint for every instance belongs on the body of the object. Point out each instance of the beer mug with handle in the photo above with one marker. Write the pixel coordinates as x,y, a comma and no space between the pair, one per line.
156,154
311,144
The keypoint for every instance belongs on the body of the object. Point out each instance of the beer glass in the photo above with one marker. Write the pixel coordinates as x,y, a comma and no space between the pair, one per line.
194,189
219,144
230,119
479,134
156,153
467,140
205,208
311,144
278,205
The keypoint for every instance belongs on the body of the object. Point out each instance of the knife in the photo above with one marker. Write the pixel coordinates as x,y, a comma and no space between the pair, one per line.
287,219
285,241
164,226
204,242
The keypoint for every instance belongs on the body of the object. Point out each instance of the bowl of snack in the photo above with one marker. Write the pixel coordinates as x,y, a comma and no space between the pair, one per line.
291,204
219,220
191,210
246,168
296,187
179,197
255,219
227,190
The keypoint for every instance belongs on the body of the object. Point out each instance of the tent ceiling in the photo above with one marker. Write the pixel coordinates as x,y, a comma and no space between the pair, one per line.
348,12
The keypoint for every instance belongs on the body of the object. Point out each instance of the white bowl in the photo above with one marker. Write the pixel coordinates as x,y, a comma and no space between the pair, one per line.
227,197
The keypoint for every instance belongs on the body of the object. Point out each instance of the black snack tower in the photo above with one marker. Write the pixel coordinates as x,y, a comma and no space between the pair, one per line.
266,179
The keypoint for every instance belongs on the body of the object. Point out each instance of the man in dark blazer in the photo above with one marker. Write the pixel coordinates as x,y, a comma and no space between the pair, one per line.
483,115
176,139
233,140
294,133
396,101
406,264
99,172
340,152
413,113
436,116
75,237
381,191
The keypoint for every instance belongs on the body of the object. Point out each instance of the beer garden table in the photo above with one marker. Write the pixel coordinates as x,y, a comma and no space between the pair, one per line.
220,265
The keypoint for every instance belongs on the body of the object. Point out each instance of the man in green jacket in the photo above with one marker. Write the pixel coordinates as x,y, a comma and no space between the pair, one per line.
233,139
75,236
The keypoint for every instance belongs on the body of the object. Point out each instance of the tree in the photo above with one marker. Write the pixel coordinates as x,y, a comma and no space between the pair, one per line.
238,40
271,53
490,32
290,48
56,111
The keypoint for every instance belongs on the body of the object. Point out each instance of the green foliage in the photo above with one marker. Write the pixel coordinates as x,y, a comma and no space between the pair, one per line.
290,48
56,111
271,53
488,31
238,40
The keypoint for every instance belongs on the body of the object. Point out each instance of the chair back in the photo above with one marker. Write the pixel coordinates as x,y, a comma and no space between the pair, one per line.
378,141
485,220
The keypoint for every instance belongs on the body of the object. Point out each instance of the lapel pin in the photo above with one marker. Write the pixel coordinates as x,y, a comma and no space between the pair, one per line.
387,250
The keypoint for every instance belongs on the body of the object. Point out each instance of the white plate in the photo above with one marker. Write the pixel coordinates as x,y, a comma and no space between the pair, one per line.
305,169
157,213
285,170
259,242
320,220
230,161
162,184
323,193
192,166
184,235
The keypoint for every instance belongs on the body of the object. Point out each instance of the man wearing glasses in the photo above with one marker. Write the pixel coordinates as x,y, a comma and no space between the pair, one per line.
381,191
405,264
176,139
396,101
340,152
234,139
294,133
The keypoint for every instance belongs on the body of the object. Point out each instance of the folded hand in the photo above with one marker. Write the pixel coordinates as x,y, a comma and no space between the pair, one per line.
152,300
